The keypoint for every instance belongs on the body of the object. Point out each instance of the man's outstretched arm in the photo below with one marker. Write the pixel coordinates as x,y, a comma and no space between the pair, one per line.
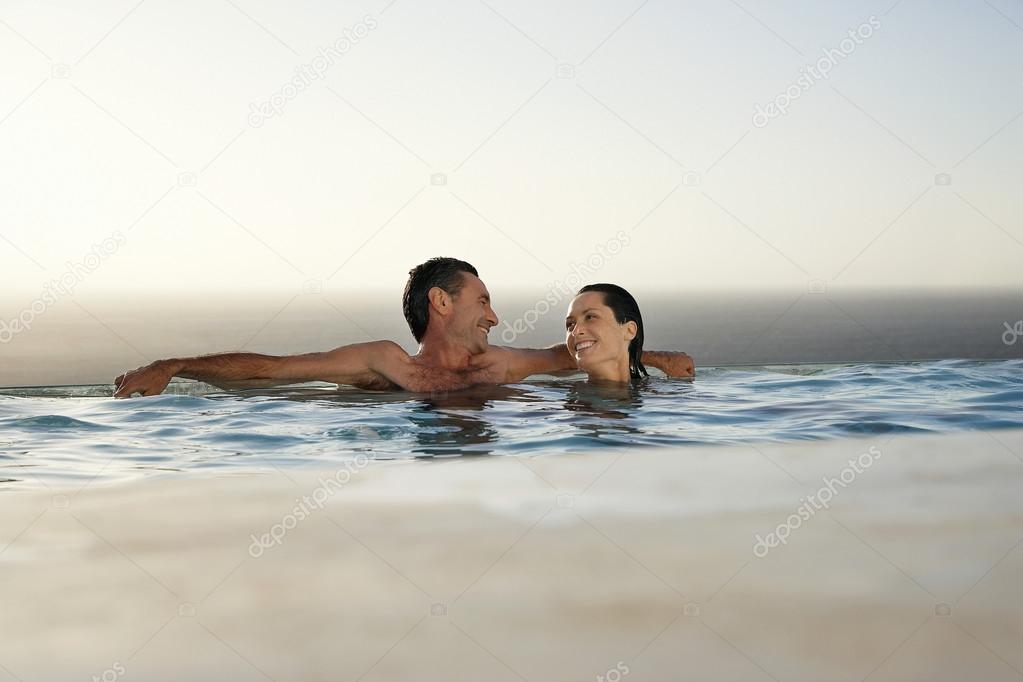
524,362
372,364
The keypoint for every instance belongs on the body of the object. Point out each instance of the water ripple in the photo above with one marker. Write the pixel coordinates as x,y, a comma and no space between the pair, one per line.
51,422
75,433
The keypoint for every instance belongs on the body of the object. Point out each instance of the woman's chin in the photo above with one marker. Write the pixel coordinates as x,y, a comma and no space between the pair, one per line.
584,364
589,357
591,367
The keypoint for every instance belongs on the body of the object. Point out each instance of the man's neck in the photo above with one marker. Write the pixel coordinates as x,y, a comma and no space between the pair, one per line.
441,352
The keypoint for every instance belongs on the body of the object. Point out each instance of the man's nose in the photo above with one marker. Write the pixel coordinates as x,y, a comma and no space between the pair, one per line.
492,316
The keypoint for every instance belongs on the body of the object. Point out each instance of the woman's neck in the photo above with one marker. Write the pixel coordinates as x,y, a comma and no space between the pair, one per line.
613,370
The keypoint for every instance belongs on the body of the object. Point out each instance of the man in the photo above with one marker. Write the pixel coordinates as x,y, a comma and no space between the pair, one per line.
448,309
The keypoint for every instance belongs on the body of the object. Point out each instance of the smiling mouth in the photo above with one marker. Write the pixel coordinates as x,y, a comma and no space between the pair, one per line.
582,346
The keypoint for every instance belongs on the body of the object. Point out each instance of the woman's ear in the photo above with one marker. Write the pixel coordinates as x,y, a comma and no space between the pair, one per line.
440,300
631,329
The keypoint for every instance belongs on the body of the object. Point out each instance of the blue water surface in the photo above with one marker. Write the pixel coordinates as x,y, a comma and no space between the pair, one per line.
79,435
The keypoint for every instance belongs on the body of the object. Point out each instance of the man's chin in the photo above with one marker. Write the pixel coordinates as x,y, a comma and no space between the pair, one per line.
480,344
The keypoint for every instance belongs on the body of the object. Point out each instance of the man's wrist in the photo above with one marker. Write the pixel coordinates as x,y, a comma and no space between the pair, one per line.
174,366
667,361
652,358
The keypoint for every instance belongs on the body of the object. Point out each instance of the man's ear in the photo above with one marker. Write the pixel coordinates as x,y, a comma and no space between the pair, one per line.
440,300
631,329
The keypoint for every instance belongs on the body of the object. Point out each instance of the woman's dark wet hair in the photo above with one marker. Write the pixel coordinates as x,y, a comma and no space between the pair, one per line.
445,273
625,308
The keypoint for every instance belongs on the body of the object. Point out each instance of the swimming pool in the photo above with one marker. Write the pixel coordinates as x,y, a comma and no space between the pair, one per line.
73,435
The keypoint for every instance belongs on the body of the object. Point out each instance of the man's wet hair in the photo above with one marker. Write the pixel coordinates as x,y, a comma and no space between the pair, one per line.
625,308
445,273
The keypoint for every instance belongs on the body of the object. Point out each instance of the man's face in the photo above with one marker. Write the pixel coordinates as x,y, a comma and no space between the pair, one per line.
472,317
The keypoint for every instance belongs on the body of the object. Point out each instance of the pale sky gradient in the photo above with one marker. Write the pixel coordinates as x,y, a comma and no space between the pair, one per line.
103,105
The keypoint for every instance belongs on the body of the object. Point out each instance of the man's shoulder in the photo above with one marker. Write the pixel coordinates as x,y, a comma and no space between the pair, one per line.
367,359
389,347
382,348
522,362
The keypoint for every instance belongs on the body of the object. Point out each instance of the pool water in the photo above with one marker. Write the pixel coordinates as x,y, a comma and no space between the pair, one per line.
76,435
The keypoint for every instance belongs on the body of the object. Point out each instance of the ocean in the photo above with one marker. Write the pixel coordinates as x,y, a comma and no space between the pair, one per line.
835,496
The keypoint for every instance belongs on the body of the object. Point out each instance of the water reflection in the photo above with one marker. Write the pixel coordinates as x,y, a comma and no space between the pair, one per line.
447,426
604,410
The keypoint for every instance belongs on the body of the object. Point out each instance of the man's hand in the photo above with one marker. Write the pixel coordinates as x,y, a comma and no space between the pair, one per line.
148,380
674,364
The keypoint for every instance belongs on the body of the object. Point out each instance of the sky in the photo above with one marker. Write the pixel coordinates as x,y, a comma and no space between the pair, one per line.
665,146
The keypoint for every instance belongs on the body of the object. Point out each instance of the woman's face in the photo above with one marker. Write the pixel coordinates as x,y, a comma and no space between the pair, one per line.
598,343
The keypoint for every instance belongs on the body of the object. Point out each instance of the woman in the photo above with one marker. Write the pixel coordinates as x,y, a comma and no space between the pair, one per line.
604,333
